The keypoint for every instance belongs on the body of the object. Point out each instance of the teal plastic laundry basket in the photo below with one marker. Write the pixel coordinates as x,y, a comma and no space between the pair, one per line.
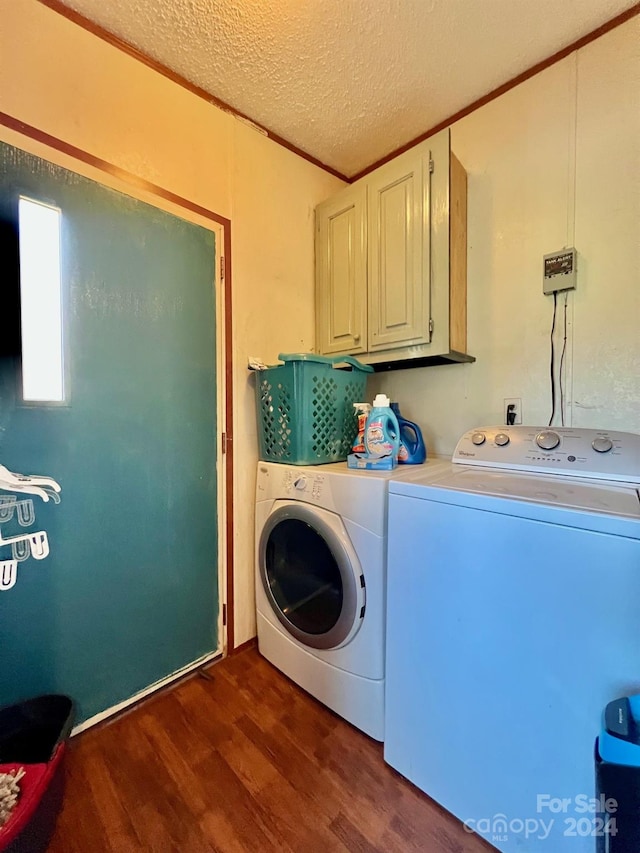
305,408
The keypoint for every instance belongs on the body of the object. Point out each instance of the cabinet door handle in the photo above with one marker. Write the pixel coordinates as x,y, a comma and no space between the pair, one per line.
356,338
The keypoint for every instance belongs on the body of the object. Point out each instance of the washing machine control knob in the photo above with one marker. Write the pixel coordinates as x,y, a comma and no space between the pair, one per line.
602,445
300,483
547,439
478,438
502,439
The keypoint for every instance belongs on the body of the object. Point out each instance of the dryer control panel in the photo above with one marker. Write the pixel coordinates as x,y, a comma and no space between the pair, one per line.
300,484
590,453
304,485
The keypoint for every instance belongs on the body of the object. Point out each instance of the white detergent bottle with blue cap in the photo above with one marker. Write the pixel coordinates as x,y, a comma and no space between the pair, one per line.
382,433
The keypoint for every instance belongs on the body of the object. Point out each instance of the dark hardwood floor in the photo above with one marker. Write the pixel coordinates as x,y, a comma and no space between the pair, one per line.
242,760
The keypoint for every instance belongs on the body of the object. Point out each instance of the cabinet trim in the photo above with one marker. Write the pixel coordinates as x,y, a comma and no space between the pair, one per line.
404,363
457,256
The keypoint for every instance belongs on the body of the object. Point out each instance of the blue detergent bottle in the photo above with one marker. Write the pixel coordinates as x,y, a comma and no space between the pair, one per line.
412,449
382,433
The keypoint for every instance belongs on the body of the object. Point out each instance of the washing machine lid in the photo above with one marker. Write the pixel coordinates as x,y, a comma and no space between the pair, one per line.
611,508
555,491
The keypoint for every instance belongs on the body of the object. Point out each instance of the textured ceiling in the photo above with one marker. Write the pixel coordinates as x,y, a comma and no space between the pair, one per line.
349,81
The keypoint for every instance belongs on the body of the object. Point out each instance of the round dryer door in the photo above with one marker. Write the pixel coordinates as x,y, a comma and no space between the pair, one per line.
311,575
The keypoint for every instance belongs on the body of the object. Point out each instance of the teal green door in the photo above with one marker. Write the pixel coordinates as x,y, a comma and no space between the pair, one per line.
128,594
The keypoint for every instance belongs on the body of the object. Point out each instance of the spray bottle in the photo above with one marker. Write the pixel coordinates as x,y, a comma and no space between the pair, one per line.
362,413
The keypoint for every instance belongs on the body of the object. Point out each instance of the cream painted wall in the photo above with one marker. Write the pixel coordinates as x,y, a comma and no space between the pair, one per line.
554,162
606,332
273,275
70,84
61,79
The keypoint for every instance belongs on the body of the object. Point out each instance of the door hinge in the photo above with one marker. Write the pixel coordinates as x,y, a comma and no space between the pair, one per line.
431,165
226,441
430,328
221,267
224,614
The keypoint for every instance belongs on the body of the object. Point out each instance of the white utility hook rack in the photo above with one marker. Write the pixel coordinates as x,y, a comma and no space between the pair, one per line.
28,544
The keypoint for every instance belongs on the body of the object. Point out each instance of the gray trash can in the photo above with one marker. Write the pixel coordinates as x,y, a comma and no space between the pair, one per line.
617,760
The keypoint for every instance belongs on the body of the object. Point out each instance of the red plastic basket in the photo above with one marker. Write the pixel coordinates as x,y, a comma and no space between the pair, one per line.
33,735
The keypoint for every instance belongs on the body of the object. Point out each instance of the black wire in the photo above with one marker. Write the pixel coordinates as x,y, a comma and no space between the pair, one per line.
564,348
553,379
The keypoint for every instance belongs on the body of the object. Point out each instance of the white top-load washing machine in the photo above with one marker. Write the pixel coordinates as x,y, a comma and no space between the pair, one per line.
513,619
321,581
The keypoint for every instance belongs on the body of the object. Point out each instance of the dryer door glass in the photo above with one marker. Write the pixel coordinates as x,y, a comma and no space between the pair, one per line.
309,579
304,577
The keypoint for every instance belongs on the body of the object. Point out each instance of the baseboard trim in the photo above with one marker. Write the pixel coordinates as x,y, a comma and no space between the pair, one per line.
144,694
249,644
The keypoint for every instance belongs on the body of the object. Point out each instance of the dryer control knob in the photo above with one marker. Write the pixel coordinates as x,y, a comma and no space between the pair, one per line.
547,439
602,445
502,439
478,438
300,483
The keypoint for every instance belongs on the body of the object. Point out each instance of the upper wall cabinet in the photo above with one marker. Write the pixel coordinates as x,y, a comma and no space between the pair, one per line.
341,264
398,252
391,262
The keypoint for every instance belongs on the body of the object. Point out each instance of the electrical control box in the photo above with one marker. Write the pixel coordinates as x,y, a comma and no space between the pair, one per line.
559,271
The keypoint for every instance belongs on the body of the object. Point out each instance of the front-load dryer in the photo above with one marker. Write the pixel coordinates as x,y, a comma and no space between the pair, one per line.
321,582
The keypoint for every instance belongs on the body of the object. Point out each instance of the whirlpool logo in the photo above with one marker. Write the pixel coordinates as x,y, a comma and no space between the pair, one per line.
466,453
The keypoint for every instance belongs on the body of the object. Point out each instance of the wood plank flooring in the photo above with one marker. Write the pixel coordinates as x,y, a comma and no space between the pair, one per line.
242,761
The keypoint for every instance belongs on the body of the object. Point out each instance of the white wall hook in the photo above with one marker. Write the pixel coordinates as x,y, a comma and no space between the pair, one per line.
8,573
26,513
39,543
55,497
23,480
24,510
24,545
33,538
7,504
24,489
34,545
21,550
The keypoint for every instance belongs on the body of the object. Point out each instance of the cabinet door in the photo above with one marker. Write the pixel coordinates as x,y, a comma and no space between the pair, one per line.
341,272
399,263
